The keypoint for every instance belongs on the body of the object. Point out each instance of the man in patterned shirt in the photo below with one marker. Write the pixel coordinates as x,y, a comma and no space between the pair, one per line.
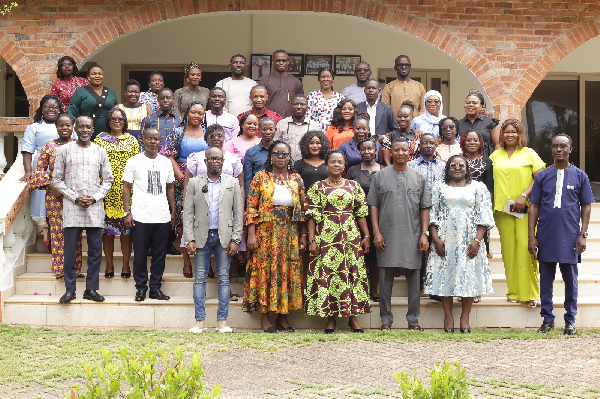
83,175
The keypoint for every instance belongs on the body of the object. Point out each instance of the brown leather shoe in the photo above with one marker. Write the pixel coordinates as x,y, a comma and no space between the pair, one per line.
415,327
386,327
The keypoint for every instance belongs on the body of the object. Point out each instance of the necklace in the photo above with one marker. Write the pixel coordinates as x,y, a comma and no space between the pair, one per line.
336,182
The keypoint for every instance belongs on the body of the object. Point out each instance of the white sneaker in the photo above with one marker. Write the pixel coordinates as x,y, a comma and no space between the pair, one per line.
222,327
198,327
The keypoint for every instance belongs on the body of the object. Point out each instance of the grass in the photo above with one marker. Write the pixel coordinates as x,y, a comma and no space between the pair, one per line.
44,357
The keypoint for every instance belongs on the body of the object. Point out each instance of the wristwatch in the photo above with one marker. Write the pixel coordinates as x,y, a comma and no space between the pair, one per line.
584,235
426,232
125,214
186,243
238,242
523,195
479,241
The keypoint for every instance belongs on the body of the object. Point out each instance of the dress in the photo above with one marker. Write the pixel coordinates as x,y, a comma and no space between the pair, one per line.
150,98
184,97
179,146
457,211
511,177
40,179
444,151
273,279
482,125
35,137
135,116
337,282
64,89
310,175
119,150
481,170
83,102
336,138
321,109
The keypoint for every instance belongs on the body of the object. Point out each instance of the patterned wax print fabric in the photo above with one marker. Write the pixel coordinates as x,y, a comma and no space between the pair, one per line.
321,109
457,211
273,281
36,135
150,98
413,142
40,180
445,151
337,282
65,89
135,116
119,150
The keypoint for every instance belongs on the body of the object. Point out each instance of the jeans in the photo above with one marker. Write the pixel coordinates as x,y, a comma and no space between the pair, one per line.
202,265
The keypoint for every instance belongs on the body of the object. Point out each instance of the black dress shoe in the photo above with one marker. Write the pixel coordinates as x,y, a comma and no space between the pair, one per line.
171,250
545,328
149,252
449,330
570,329
282,328
415,327
270,330
386,327
355,330
125,275
93,296
140,295
68,297
159,295
465,330
109,275
331,330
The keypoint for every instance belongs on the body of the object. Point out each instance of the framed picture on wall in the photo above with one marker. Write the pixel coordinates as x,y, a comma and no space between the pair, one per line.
296,66
315,62
261,65
345,64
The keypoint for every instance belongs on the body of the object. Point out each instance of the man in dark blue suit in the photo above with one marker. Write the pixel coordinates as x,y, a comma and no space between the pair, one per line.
382,116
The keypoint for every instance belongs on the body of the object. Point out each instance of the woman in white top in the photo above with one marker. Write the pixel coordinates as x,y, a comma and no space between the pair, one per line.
429,121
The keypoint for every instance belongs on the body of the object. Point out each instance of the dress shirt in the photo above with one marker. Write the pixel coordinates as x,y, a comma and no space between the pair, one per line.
372,111
356,94
254,162
164,122
291,132
433,170
214,188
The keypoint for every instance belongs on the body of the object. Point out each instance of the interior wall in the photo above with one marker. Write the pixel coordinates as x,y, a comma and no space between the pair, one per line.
213,38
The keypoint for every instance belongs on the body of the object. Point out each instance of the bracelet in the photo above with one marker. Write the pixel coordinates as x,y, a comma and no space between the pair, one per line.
367,236
311,241
303,234
479,241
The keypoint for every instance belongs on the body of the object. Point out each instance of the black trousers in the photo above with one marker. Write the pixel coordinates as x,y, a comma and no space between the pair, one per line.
94,240
144,236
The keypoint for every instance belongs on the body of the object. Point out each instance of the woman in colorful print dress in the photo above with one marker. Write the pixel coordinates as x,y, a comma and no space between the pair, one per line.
321,103
156,83
179,144
120,146
68,81
41,179
275,220
337,283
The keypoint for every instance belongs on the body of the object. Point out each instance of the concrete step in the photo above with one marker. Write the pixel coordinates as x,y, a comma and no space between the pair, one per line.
592,242
123,311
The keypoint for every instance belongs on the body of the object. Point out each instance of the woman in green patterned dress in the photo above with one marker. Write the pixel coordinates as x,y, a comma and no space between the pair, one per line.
337,283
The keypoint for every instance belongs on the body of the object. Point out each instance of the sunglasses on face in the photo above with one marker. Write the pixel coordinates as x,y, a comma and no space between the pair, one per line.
362,70
115,119
448,127
281,154
401,65
457,166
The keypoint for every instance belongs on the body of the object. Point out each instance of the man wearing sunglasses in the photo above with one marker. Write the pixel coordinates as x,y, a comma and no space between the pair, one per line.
356,91
281,86
404,88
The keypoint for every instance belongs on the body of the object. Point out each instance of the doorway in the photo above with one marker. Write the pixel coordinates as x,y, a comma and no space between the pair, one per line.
432,79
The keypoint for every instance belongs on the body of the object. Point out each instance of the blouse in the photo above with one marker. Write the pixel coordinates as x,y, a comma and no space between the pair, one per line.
135,116
310,175
180,146
445,151
482,125
321,109
65,89
481,170
232,164
336,138
260,208
350,148
83,103
513,175
184,97
239,146
362,177
150,98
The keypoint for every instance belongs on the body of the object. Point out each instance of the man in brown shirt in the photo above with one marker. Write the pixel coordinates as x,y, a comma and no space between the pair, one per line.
403,88
281,86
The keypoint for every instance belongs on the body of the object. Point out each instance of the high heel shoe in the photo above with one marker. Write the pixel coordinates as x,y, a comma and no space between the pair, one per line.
449,330
331,330
282,328
109,275
465,330
355,330
125,275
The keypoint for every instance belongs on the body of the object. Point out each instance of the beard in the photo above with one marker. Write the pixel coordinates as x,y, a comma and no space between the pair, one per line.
214,171
85,139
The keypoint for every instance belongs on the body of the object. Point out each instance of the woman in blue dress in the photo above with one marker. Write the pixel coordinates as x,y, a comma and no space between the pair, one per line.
41,131
180,143
458,263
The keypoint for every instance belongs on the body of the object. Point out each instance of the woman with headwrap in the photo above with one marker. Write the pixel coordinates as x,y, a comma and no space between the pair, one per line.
433,113
192,92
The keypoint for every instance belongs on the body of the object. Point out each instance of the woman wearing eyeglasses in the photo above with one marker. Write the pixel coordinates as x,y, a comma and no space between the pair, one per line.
275,220
458,264
120,146
449,145
429,122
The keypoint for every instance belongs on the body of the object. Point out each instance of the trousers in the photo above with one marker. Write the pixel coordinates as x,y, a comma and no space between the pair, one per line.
569,274
144,236
386,283
94,241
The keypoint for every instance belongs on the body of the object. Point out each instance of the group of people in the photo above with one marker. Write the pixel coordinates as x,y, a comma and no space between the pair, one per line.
327,196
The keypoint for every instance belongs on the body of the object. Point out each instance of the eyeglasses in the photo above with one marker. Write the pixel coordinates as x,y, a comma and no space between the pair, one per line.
281,154
457,166
214,159
215,136
115,119
402,65
53,107
433,102
449,127
561,146
279,60
362,70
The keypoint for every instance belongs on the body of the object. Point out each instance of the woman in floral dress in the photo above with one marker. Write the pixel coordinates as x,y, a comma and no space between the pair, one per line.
68,81
321,103
41,179
337,283
275,221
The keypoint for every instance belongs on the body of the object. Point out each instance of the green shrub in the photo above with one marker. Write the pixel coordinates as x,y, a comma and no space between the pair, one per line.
446,380
137,377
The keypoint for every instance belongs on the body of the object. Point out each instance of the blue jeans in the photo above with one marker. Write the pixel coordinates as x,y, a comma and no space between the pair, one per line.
202,265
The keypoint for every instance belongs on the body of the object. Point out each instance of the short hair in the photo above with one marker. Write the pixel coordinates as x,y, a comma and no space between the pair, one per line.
94,66
441,123
38,116
479,96
265,119
336,119
558,135
372,80
214,128
165,89
280,51
155,73
63,115
401,56
463,141
84,116
109,115
522,137
325,69
330,153
305,142
237,55
269,161
427,134
362,117
132,82
258,87
218,88
447,177
404,140
59,73
189,67
299,96
366,140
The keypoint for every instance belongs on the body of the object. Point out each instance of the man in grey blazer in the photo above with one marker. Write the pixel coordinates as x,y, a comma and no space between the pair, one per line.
382,116
213,216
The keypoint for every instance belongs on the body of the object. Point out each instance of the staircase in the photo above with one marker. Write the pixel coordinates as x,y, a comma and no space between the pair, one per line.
37,293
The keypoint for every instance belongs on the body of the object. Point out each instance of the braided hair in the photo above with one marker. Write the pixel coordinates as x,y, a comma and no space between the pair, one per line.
38,117
269,161
447,177
184,120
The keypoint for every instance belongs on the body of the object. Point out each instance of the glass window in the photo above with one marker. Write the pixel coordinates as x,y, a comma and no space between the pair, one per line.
592,130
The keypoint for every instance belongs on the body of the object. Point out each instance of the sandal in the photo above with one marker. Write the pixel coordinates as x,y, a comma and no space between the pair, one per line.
512,300
80,275
477,299
60,276
375,298
233,297
532,304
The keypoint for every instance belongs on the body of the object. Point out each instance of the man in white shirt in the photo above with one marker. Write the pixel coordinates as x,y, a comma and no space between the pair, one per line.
381,116
356,91
292,128
237,87
151,177
217,115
